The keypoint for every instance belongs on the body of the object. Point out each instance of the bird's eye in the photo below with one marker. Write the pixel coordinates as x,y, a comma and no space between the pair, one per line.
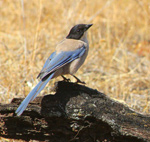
78,31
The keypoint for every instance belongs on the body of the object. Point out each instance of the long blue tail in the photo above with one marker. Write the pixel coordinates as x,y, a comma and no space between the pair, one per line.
32,95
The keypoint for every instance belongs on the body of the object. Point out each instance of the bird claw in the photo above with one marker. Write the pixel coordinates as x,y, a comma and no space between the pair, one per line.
79,81
68,80
65,79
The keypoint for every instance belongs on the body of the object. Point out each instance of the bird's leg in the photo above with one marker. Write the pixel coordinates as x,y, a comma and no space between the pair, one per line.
65,79
78,80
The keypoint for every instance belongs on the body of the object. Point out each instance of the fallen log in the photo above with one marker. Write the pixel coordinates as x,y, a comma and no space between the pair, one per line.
75,113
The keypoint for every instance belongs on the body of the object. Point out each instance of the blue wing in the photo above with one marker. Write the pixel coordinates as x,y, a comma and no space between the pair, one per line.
46,63
61,59
49,59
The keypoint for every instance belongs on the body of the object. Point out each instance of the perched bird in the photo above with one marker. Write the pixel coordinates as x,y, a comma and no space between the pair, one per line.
69,56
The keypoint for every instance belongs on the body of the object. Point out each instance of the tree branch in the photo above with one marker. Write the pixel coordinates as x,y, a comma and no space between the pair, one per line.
75,113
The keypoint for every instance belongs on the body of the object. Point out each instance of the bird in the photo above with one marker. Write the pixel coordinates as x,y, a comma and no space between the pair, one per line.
68,57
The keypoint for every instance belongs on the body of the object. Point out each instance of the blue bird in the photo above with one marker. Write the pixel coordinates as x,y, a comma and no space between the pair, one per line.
70,54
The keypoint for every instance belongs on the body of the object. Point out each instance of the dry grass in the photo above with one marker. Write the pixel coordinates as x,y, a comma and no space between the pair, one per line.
118,63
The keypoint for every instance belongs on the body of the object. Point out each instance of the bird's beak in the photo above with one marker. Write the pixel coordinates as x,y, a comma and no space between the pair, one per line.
88,26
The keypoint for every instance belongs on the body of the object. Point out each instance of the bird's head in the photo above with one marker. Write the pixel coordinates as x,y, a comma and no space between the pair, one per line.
78,31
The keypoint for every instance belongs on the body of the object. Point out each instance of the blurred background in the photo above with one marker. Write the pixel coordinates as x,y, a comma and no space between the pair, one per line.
118,63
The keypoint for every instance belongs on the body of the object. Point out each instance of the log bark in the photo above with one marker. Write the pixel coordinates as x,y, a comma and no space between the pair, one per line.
75,113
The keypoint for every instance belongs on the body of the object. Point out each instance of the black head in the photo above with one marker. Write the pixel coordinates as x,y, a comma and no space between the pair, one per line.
78,30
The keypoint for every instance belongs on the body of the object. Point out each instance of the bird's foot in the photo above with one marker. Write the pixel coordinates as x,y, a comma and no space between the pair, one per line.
65,79
78,80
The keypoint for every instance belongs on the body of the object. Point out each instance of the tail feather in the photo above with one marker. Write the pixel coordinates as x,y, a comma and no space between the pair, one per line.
32,95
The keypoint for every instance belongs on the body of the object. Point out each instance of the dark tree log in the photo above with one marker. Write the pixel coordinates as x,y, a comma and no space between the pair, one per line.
75,113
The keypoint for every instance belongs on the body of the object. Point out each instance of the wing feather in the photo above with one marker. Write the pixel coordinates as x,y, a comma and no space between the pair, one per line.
60,60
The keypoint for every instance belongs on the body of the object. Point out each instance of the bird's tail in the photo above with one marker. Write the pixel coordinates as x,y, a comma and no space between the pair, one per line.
32,95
